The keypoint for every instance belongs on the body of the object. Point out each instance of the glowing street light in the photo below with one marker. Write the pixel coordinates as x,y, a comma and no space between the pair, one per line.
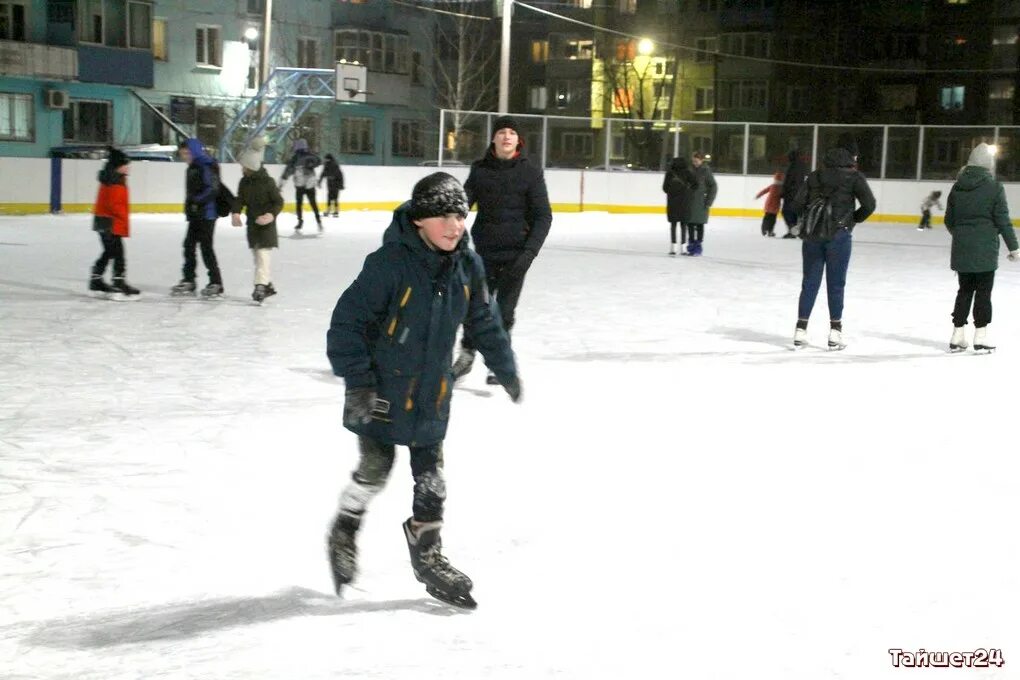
645,47
251,34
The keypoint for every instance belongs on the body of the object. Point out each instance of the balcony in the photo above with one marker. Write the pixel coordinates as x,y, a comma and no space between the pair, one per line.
733,19
114,65
37,61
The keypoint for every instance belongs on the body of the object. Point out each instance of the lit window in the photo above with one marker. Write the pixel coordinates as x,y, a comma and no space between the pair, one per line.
951,98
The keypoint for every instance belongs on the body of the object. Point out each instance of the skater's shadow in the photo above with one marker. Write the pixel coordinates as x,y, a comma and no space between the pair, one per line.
747,335
193,619
920,342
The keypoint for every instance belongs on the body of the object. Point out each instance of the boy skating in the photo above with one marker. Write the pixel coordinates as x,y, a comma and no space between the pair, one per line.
391,338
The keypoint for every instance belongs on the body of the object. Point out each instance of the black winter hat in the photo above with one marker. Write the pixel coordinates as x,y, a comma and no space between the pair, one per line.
505,122
436,195
849,142
117,157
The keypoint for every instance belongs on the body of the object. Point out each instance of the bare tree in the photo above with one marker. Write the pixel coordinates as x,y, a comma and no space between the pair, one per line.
629,94
464,72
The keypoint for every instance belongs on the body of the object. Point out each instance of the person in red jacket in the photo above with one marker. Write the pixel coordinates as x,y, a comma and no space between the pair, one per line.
775,192
110,219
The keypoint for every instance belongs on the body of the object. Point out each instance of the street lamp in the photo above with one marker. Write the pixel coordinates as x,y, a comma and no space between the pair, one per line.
645,47
251,34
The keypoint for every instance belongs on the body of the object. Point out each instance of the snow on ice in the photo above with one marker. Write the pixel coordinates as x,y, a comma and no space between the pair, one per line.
679,496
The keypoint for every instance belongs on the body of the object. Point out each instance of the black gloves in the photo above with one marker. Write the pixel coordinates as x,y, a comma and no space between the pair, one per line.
358,406
520,266
514,388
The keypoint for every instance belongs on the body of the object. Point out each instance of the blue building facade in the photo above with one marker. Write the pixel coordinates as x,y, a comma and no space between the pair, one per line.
71,73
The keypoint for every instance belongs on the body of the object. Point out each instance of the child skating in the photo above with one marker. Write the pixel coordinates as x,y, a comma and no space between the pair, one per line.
111,220
773,193
259,197
926,205
391,338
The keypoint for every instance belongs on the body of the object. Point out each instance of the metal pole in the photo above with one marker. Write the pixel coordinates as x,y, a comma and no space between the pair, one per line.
609,138
545,140
814,148
885,149
442,136
995,156
267,24
676,138
504,59
747,145
920,152
672,101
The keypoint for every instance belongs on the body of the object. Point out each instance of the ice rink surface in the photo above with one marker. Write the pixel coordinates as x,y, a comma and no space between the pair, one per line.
679,496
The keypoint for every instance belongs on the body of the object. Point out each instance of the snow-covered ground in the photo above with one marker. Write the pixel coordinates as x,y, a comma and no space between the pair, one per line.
679,496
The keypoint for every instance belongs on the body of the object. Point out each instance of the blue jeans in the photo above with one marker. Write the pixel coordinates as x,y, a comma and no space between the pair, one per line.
833,258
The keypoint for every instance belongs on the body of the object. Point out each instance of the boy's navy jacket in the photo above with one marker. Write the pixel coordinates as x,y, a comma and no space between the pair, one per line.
394,329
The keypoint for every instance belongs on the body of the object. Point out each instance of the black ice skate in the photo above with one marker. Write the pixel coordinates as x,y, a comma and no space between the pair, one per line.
491,379
214,291
183,288
260,293
442,581
462,366
100,287
124,288
342,550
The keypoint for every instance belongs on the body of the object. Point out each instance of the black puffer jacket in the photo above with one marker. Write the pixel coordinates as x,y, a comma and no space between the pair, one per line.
847,186
796,172
514,216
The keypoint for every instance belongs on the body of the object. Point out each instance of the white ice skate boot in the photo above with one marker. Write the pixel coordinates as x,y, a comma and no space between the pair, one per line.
800,338
836,340
672,249
958,342
982,345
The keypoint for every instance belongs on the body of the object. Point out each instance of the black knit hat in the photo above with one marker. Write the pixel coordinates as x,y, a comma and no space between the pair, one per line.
436,195
117,157
505,122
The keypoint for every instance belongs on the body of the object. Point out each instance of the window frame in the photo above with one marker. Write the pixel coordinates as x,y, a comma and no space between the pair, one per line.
127,23
587,143
219,39
708,42
346,136
15,96
302,46
82,9
707,95
26,28
166,43
403,129
73,107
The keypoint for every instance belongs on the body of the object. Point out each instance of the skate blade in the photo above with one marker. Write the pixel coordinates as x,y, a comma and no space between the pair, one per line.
956,349
461,600
984,350
837,348
799,346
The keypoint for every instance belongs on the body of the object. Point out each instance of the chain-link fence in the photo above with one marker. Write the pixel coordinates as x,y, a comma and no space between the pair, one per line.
886,151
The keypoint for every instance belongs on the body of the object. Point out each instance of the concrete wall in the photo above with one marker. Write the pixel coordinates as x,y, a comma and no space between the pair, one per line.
159,187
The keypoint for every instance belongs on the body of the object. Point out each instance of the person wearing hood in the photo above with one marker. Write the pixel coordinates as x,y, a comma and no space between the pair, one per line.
302,166
514,218
202,187
848,200
704,196
334,177
259,197
793,179
111,220
977,216
391,338
773,193
679,185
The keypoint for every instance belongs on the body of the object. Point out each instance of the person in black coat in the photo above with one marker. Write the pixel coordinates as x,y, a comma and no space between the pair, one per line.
847,195
334,177
202,187
678,185
391,338
796,174
513,222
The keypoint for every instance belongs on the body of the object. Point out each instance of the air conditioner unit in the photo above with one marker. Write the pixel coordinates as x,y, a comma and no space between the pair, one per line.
57,99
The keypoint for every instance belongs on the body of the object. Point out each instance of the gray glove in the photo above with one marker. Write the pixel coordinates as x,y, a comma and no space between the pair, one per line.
358,406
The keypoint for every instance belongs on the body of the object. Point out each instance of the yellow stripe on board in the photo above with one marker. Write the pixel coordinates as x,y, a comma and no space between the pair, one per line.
171,208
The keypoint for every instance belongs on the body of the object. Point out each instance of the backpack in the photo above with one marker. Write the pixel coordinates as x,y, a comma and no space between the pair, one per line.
225,201
818,222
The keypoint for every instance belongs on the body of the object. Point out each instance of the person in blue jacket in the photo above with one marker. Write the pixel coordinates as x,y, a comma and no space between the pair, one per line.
391,338
202,186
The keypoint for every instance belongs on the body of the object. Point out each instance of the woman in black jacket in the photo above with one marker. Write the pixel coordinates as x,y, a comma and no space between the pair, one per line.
827,251
678,185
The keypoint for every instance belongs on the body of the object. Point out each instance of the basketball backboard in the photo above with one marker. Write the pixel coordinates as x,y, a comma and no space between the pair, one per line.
351,82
